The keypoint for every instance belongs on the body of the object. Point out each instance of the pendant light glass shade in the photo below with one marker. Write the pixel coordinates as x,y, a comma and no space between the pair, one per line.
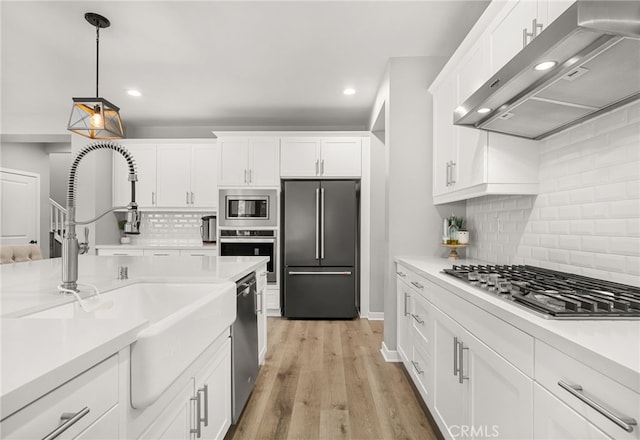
96,118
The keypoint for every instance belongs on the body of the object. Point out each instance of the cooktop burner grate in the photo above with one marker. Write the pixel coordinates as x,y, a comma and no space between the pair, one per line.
554,294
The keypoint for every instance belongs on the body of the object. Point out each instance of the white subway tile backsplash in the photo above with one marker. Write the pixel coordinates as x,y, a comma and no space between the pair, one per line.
169,228
586,218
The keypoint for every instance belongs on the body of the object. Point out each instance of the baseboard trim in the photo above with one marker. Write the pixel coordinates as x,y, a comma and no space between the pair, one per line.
376,316
389,355
273,313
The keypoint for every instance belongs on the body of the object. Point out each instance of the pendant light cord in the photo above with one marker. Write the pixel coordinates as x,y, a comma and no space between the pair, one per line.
97,58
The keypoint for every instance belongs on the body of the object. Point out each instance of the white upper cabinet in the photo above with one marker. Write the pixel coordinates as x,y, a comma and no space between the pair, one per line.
204,175
523,20
169,176
340,157
321,157
300,157
248,161
174,179
470,162
144,156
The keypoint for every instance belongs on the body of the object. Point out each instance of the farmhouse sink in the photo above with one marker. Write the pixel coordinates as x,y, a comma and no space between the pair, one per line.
183,319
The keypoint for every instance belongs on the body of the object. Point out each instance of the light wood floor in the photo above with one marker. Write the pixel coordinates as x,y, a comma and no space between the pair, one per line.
328,380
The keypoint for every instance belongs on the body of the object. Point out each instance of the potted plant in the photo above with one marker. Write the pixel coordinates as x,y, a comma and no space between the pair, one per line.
124,239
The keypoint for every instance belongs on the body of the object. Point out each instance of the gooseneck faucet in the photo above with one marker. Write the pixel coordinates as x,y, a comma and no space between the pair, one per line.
71,248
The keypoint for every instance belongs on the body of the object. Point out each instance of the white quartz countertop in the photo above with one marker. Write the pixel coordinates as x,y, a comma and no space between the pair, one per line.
38,354
198,246
609,346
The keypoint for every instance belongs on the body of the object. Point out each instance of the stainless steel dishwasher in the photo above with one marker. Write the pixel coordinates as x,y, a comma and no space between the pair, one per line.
244,342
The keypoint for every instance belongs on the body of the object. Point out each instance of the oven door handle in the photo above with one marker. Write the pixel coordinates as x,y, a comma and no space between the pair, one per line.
247,240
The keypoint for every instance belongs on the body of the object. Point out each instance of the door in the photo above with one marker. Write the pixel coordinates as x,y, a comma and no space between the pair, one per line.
264,162
204,175
316,292
403,293
506,37
234,161
338,233
443,135
499,396
173,176
20,206
217,405
448,401
301,203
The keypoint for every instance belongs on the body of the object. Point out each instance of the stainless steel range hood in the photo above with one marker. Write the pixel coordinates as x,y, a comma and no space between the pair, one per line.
596,45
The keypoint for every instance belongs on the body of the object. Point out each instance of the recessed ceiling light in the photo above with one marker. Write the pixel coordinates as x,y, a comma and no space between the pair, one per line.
545,65
349,91
134,92
484,110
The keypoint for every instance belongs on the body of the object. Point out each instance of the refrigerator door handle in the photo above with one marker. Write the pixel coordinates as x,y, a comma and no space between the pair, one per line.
319,273
322,230
317,223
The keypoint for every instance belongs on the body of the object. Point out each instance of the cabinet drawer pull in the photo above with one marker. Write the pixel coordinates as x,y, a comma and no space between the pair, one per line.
69,419
455,356
417,318
198,429
205,390
626,423
401,274
416,365
461,349
418,285
406,299
120,255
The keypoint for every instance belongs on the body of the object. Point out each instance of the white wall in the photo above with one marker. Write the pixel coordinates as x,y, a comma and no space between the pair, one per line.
31,157
59,164
586,219
413,224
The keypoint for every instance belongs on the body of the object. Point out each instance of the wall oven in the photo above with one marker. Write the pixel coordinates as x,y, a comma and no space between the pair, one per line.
251,243
248,208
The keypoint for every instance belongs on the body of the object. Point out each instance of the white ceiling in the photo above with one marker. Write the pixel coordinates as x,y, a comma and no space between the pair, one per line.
216,64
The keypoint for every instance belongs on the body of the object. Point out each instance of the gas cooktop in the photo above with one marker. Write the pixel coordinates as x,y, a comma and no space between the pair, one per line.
553,294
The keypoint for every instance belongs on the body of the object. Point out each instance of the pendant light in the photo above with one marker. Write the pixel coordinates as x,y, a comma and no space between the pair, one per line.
96,118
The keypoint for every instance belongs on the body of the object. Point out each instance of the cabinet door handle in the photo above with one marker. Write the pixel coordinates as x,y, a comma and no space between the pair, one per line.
205,390
417,318
406,300
153,197
245,176
448,174
401,274
416,365
69,419
317,169
198,429
453,169
461,349
187,201
535,25
418,285
455,355
192,198
250,175
322,167
626,423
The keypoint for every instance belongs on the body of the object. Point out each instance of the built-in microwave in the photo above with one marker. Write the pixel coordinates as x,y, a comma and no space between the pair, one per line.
241,208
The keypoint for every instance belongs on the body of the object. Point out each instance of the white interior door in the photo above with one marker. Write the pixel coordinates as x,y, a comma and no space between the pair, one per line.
19,207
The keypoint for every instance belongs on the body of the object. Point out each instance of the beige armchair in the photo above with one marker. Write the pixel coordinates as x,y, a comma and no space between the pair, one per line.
19,253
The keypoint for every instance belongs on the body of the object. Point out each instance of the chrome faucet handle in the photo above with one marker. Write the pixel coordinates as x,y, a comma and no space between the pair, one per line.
84,246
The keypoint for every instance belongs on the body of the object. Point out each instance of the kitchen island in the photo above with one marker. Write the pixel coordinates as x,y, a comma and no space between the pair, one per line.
40,355
483,363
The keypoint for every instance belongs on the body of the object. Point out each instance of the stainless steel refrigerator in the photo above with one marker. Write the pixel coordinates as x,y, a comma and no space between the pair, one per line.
320,248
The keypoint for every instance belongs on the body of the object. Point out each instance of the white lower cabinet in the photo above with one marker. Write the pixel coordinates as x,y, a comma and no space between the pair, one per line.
73,409
121,252
202,409
555,420
404,320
